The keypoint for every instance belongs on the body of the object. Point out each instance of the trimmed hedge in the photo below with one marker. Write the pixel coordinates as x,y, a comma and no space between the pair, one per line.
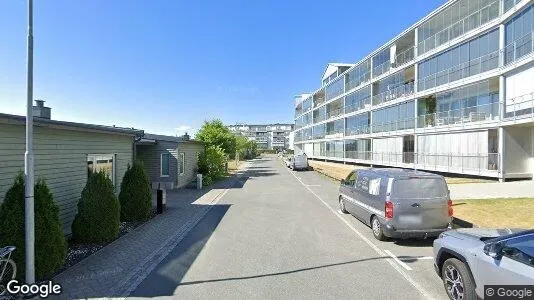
136,194
50,242
98,217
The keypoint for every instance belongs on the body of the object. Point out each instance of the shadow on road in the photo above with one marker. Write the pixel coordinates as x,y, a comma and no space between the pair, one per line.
415,242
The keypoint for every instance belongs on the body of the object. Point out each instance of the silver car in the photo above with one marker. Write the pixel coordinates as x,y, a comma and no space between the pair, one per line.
468,259
397,203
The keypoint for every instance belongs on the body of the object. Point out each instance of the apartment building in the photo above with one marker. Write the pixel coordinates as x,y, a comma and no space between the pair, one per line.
452,93
267,136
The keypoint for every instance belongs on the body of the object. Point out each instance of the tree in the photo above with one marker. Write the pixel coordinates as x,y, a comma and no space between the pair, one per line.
98,217
215,133
136,194
211,164
246,148
50,242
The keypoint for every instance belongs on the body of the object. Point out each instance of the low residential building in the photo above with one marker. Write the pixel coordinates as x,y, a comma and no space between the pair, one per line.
267,136
171,162
63,152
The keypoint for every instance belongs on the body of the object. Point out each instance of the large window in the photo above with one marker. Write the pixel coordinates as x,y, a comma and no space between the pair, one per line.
397,117
381,62
335,127
319,114
319,131
508,4
102,163
394,86
358,75
471,58
165,164
357,124
335,89
358,100
358,149
519,35
319,149
334,149
307,105
454,21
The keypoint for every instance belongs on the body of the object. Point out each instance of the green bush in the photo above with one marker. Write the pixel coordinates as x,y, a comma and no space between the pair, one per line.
98,217
212,164
136,194
50,243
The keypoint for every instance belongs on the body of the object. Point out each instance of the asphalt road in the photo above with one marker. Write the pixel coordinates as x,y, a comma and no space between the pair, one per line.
278,234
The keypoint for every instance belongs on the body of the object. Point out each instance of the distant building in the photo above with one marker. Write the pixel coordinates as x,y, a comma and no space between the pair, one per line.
267,136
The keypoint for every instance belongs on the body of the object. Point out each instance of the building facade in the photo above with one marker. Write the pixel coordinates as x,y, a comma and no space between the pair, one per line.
452,93
63,153
268,136
171,162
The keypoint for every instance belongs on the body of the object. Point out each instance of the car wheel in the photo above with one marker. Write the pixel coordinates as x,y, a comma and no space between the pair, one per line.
457,280
342,205
378,233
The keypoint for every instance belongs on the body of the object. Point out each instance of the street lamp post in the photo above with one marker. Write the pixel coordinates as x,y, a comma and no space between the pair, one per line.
28,160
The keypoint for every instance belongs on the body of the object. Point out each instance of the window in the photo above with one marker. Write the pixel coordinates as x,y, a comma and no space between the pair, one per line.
351,179
165,164
102,163
181,169
374,186
520,249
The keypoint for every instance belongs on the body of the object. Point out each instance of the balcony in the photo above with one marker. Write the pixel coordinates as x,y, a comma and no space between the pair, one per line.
519,107
334,112
357,130
381,69
394,125
319,117
402,90
404,57
475,66
460,116
519,48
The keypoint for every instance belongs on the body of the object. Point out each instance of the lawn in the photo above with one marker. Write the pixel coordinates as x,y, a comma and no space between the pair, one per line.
497,213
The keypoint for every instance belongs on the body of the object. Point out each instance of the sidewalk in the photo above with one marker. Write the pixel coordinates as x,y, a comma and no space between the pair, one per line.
118,268
514,189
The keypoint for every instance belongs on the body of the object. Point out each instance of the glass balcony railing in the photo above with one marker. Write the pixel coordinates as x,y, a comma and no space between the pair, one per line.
364,103
357,130
394,125
363,155
334,153
475,66
519,48
519,107
381,69
402,90
404,57
460,116
475,20
334,112
319,118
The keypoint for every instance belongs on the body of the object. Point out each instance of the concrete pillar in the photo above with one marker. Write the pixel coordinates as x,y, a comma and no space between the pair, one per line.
502,152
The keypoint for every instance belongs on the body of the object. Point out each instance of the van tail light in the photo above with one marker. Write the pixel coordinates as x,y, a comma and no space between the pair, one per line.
449,206
389,210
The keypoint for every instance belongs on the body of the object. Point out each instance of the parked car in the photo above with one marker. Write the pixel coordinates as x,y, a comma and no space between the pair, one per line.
397,203
299,162
468,259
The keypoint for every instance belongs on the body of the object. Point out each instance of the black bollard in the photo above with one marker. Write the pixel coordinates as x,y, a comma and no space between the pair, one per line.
159,201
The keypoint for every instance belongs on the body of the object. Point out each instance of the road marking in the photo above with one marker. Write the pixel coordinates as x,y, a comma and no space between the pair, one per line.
395,266
313,185
403,264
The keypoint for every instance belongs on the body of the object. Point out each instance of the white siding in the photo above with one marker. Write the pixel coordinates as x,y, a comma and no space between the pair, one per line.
519,84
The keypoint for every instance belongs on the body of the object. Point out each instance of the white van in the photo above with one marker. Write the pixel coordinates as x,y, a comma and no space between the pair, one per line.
299,162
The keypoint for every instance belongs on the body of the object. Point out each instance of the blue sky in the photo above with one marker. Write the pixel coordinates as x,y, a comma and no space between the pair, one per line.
168,65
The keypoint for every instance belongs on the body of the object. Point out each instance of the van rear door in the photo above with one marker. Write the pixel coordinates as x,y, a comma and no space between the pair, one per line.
420,203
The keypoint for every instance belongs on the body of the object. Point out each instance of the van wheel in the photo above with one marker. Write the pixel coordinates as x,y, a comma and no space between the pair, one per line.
342,205
378,233
457,280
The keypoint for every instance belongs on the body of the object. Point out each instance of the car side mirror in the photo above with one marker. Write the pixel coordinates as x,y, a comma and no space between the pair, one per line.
493,250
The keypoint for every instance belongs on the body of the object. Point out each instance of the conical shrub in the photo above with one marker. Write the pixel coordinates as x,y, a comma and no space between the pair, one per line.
98,217
50,243
136,195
